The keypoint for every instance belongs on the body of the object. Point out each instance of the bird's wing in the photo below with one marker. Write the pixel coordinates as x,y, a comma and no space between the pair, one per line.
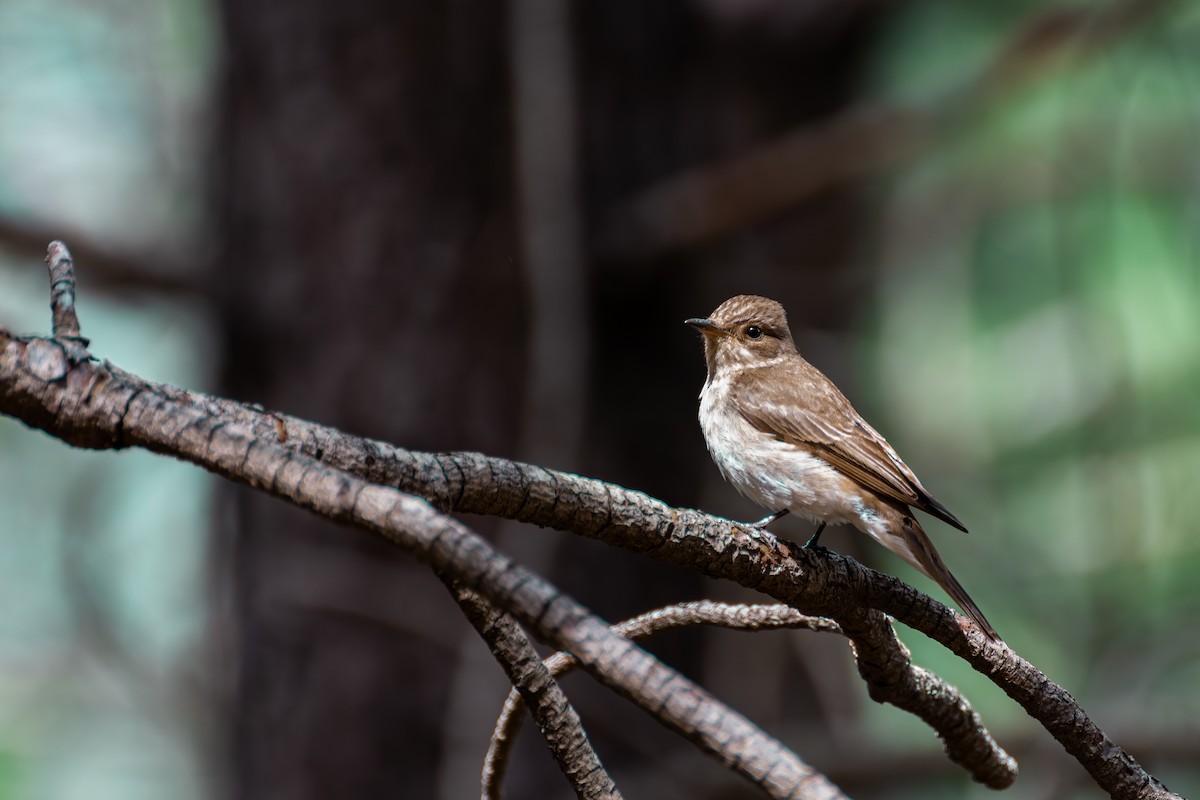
810,412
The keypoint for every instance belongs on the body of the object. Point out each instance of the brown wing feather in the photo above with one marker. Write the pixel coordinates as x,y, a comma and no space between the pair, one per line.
810,412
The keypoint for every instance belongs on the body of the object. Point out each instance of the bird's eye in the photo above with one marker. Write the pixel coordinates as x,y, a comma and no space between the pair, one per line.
754,332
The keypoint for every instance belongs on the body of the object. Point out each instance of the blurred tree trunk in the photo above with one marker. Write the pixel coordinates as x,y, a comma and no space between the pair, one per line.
366,280
369,277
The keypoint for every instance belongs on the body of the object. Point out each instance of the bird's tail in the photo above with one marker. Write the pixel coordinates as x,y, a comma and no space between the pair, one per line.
922,555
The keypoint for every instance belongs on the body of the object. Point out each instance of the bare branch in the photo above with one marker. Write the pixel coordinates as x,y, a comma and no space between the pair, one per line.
883,662
735,616
62,293
886,665
824,583
504,735
555,717
815,582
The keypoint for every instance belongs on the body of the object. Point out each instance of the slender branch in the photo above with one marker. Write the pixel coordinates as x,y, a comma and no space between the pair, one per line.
504,737
735,616
883,662
555,717
749,617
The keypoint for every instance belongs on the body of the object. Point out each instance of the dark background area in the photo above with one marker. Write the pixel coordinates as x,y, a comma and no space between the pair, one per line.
395,220
479,226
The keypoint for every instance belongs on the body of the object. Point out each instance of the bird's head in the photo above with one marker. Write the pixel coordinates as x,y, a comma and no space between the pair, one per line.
744,331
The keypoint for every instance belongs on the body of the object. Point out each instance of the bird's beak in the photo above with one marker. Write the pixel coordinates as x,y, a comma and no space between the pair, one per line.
706,326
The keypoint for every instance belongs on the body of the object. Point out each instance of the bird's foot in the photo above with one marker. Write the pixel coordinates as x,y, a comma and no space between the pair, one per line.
812,540
765,521
758,530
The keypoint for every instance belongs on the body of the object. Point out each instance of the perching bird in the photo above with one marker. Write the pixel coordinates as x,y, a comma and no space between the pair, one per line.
786,438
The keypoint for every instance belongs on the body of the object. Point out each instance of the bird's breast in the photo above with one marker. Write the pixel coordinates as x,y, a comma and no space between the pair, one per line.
774,474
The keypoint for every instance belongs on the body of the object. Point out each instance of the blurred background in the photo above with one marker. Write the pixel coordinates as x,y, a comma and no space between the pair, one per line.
479,225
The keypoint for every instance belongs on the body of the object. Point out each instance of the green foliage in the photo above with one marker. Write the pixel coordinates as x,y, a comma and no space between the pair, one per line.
1039,323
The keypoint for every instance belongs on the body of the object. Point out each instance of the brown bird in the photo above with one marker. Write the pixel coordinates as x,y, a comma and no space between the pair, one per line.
786,438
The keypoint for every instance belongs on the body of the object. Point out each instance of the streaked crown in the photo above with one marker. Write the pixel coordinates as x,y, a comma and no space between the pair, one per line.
751,308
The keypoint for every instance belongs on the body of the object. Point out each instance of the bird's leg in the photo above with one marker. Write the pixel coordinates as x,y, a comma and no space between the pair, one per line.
812,540
758,530
765,521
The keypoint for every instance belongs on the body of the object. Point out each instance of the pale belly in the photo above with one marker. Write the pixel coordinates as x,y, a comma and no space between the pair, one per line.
775,474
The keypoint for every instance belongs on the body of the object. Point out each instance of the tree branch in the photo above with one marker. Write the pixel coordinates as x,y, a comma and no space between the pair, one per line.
818,583
886,665
555,717
65,323
739,617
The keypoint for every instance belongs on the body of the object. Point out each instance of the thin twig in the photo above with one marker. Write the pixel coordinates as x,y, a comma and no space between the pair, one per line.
735,616
62,293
